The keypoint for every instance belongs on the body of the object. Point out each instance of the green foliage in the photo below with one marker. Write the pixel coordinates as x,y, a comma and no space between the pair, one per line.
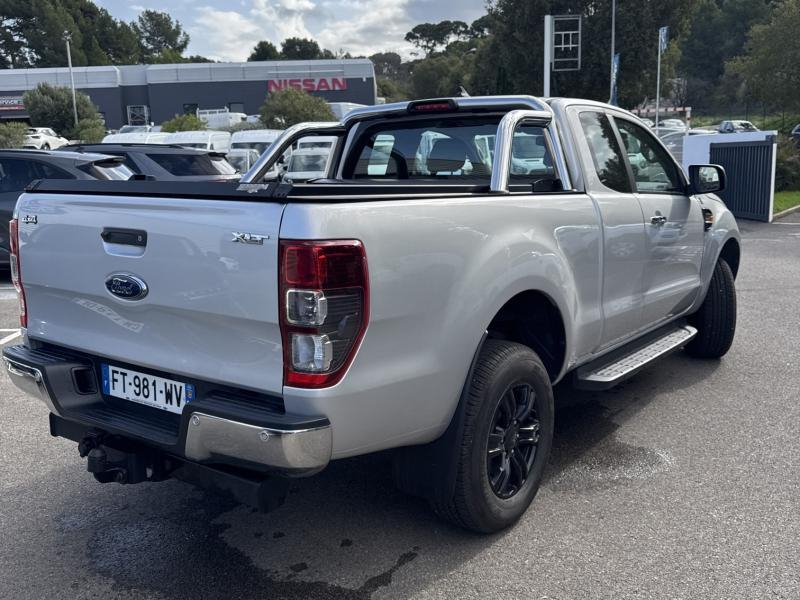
264,50
12,134
290,106
301,49
161,38
769,68
89,131
787,165
51,106
243,126
183,123
429,37
391,90
32,34
387,64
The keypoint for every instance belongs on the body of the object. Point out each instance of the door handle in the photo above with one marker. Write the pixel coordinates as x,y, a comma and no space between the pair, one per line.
658,220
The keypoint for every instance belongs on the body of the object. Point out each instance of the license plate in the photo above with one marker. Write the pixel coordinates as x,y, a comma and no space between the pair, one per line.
150,390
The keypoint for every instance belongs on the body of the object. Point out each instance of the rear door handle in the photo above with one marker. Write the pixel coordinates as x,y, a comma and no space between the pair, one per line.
658,220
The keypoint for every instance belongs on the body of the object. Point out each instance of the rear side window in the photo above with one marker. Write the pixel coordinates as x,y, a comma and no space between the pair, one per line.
16,173
445,148
186,165
609,163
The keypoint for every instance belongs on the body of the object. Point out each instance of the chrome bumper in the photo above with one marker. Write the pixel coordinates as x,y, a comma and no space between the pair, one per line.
208,437
211,438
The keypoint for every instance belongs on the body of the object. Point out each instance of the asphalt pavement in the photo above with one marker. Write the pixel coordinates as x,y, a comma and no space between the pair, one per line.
682,483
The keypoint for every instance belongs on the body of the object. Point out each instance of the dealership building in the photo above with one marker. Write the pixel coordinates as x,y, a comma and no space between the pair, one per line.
138,94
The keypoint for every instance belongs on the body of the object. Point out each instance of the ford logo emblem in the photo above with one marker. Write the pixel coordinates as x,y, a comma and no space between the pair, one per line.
126,286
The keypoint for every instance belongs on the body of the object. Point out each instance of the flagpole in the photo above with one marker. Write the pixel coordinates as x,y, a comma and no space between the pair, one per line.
613,35
658,81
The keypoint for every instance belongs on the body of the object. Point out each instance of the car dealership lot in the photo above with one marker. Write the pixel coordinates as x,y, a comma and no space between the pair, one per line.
681,483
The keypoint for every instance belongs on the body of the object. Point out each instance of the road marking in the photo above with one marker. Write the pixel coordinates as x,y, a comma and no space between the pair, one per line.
9,330
8,295
8,338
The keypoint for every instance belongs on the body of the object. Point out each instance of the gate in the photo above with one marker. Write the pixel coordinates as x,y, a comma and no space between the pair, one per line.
750,170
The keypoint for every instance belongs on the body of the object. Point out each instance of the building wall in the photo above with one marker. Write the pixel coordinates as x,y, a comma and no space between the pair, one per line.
167,88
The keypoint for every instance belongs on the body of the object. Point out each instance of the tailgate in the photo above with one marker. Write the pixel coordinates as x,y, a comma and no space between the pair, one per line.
211,306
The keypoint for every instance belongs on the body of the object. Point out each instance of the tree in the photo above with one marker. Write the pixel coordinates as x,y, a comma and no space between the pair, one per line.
387,64
159,33
301,49
769,66
183,123
428,37
89,131
12,134
51,106
290,106
264,50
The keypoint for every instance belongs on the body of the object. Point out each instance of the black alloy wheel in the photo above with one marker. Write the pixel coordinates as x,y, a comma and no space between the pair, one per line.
512,441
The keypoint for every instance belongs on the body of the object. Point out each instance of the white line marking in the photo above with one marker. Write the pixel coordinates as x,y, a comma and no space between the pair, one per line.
8,295
9,330
8,338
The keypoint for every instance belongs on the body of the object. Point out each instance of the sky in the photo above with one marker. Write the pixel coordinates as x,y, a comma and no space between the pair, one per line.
227,30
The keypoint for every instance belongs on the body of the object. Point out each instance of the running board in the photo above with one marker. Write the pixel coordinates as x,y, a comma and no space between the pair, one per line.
608,371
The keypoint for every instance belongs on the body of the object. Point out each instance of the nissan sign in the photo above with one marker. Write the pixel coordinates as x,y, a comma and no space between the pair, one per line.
308,84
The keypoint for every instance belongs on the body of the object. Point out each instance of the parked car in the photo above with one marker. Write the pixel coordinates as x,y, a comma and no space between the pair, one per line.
139,129
246,146
736,127
676,124
795,134
18,168
136,137
237,336
307,163
43,138
220,117
167,162
340,109
216,141
646,121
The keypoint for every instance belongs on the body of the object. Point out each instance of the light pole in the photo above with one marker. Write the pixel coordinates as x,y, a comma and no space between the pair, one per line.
67,38
613,49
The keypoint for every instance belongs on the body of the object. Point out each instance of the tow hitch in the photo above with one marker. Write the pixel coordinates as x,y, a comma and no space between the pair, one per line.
112,458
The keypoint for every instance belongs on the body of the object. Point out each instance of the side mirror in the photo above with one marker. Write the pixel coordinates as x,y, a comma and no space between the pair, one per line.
706,179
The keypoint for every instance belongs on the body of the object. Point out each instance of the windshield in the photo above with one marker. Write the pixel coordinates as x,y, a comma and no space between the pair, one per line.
304,163
118,173
260,147
185,165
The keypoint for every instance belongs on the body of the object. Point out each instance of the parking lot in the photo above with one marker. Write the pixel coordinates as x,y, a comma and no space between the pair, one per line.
681,483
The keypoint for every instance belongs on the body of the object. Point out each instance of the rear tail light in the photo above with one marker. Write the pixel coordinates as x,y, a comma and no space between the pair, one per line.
324,305
16,273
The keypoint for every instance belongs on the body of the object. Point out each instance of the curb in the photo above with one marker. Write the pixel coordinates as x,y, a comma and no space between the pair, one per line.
786,212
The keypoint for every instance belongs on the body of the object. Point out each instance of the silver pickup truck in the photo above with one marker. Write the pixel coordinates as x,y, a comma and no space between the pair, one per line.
459,258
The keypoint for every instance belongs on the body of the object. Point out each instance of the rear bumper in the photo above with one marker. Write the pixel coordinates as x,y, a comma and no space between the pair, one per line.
222,426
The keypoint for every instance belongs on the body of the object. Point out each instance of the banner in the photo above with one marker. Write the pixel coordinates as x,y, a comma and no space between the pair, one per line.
663,38
614,73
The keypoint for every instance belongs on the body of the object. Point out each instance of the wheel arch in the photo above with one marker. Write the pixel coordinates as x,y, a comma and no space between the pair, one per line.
731,252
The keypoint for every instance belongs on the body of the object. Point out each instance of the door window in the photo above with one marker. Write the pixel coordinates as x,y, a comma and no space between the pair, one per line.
653,169
17,173
605,150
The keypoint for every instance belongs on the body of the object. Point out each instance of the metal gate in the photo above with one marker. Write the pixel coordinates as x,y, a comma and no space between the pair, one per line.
750,170
138,114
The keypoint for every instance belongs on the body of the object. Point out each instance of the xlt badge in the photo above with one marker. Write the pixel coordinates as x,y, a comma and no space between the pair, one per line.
240,237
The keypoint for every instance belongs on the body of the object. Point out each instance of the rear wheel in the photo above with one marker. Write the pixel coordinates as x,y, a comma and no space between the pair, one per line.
716,319
506,439
45,146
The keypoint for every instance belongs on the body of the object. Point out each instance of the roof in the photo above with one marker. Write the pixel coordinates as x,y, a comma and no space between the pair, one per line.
122,75
114,147
58,154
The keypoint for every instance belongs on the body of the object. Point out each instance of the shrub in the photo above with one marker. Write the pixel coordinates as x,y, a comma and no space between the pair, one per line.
787,168
12,135
51,106
183,123
290,106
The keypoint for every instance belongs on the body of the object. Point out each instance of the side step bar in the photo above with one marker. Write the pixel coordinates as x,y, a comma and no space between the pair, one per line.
608,371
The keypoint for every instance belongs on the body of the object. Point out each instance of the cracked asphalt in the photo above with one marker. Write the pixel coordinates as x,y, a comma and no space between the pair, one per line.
684,482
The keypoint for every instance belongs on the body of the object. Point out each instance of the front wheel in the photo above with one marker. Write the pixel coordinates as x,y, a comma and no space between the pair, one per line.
45,146
505,441
716,319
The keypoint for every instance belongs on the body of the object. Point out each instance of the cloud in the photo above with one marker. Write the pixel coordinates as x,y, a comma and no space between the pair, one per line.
223,35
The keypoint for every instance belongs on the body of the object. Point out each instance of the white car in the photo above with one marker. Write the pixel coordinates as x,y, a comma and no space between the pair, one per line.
43,138
306,164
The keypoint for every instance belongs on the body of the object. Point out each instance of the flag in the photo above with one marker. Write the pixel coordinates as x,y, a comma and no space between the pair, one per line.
614,73
663,38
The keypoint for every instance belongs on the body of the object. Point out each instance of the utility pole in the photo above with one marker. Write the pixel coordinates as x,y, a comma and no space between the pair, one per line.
613,48
67,39
548,56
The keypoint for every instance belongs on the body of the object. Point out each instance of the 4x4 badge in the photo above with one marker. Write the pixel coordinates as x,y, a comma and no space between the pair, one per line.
30,219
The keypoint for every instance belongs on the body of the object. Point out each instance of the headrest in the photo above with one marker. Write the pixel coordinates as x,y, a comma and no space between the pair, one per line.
448,155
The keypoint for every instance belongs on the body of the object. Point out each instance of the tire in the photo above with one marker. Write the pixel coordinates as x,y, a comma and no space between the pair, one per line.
479,503
45,146
716,319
